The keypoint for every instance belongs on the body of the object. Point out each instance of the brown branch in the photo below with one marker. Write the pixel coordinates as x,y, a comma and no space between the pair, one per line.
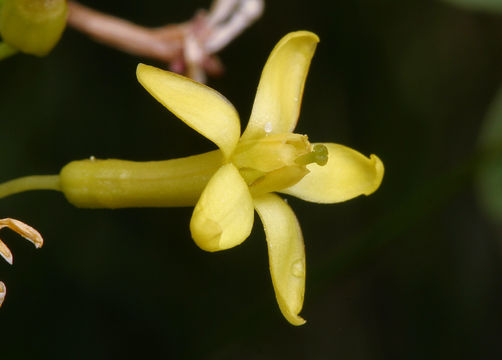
188,47
164,44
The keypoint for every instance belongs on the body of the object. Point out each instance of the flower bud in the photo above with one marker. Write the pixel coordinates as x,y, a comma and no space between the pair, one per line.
33,26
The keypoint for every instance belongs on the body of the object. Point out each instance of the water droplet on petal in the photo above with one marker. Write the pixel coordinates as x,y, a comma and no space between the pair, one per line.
268,127
298,268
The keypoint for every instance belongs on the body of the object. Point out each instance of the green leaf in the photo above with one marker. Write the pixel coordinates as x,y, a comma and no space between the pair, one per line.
489,174
485,5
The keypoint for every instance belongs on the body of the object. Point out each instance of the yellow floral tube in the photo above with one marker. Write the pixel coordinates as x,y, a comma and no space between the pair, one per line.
114,184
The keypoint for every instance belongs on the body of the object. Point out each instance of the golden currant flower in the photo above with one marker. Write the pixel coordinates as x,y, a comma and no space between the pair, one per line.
268,157
25,231
228,184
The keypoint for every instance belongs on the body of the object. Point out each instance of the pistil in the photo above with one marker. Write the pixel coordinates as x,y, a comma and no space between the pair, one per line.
318,155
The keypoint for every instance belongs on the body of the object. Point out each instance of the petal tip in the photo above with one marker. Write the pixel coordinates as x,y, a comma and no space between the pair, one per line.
145,74
140,69
296,320
224,215
303,33
205,232
291,316
379,172
301,322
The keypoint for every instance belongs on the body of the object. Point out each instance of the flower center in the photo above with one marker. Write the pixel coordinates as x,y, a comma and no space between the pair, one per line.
276,161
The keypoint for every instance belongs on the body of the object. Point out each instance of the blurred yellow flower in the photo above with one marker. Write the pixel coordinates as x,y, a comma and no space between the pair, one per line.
31,26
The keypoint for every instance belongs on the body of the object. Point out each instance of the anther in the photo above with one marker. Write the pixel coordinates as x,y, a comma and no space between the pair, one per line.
22,229
318,155
3,292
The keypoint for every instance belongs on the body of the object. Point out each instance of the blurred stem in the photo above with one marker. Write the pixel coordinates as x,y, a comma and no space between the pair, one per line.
28,183
6,50
164,43
188,47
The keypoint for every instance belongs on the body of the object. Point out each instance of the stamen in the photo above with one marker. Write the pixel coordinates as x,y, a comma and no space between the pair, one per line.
22,229
318,155
25,231
3,292
6,253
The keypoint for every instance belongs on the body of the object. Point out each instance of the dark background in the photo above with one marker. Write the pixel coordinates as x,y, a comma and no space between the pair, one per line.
412,272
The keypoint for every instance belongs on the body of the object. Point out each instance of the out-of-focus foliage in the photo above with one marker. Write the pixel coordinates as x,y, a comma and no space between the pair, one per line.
490,165
485,5
489,170
6,50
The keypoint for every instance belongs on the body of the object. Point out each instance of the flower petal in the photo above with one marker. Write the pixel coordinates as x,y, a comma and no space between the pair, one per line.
347,174
224,214
286,254
278,99
203,109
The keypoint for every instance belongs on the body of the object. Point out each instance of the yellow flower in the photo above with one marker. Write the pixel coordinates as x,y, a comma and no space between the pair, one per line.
228,184
267,157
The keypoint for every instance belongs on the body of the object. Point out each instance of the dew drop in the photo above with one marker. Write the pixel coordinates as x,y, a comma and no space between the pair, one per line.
298,268
268,127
